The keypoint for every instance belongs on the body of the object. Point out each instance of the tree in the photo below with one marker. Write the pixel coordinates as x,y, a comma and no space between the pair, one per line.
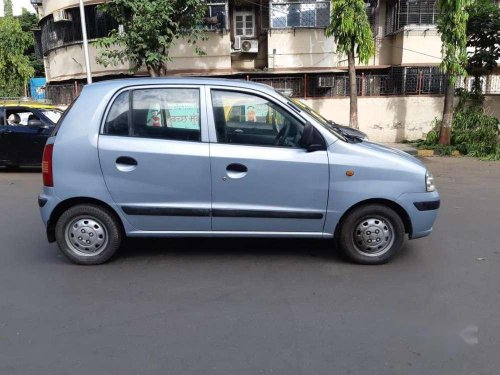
15,67
483,39
7,8
353,36
451,24
29,21
150,29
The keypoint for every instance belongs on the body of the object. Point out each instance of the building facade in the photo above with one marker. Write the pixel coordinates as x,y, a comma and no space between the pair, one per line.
278,42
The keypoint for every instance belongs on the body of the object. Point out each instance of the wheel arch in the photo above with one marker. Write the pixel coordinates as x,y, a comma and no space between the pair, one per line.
68,203
403,214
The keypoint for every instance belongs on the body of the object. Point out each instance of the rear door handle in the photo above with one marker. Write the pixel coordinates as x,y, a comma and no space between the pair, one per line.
126,163
236,170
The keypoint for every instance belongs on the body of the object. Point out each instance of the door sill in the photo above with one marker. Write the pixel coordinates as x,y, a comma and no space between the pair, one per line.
143,233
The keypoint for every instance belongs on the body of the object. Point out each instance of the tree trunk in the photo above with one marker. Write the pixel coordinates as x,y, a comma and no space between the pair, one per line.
154,71
445,131
353,108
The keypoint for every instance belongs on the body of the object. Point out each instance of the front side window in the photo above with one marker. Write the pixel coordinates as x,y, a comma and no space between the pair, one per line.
52,114
247,119
166,113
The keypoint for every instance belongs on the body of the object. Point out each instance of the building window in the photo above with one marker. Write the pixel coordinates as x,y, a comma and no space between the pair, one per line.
215,16
401,13
244,24
302,13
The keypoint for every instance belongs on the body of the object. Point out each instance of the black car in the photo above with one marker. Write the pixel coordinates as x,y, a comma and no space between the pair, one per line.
24,129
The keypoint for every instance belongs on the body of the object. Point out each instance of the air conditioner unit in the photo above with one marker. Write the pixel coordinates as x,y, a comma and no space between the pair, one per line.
237,43
325,81
250,46
61,15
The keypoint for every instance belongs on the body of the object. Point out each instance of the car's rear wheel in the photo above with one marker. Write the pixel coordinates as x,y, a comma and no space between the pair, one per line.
371,234
88,234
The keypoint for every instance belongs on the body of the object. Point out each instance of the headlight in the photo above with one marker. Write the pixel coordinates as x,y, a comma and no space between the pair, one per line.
429,181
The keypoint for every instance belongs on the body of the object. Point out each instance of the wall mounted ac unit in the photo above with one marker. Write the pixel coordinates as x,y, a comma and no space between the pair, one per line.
250,46
325,81
237,43
61,15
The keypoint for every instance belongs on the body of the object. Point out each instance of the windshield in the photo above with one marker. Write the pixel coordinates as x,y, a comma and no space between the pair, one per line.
311,112
52,114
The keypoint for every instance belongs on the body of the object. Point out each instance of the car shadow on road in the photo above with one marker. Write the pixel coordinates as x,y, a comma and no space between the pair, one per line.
34,169
232,247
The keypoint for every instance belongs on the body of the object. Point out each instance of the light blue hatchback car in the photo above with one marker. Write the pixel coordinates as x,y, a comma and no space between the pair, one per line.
213,157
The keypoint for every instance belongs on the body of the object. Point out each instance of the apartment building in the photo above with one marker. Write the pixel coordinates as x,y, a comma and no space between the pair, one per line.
278,42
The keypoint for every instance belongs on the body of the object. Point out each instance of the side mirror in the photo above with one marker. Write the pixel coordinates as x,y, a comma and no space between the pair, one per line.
35,123
315,147
311,140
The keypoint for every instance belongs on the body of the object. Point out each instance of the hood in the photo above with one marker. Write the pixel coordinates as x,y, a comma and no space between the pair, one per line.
390,151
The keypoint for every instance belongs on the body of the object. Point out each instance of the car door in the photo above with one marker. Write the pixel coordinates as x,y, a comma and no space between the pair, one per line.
154,156
3,129
23,142
263,183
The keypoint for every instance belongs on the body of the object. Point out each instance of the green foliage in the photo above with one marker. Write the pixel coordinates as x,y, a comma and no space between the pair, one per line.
483,36
29,21
474,133
150,29
350,28
15,67
432,137
451,23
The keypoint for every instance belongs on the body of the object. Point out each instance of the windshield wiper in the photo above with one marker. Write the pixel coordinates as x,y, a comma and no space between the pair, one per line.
351,137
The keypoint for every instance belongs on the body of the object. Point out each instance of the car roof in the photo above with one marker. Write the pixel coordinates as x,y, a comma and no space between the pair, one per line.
125,82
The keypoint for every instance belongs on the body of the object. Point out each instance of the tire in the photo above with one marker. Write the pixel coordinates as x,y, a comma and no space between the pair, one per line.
88,234
371,234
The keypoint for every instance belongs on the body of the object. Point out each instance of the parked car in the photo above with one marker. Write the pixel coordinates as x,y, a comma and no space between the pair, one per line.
212,157
24,129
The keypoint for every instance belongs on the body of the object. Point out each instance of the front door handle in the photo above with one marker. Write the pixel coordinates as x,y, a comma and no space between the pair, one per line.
236,170
126,163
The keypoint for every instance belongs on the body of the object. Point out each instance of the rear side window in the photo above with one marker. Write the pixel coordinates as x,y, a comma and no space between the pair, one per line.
169,113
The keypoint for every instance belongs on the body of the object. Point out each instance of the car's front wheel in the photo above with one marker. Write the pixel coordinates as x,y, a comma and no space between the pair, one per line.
371,234
88,234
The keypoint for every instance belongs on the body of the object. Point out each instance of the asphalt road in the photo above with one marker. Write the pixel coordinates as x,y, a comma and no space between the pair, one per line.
260,306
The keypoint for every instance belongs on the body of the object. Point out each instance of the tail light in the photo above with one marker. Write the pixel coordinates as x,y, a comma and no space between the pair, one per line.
48,178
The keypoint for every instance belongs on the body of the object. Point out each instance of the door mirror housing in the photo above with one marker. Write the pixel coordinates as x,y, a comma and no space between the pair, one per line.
315,147
311,139
35,123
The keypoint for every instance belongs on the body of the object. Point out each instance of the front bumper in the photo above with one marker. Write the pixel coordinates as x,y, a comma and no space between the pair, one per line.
422,208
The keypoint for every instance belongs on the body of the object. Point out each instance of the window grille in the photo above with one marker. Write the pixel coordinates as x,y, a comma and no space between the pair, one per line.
62,33
401,13
216,15
301,13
